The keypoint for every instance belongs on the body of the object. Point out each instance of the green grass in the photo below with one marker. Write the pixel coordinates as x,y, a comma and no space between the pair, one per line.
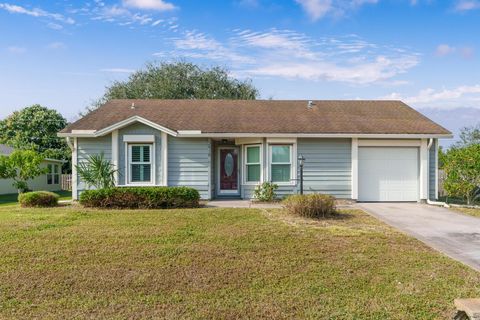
9,199
70,262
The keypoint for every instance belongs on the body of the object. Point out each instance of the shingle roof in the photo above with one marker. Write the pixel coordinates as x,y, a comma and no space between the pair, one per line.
266,116
5,150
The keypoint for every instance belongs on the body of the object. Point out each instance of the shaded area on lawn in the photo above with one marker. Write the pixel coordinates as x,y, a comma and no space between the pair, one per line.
219,263
454,200
12,198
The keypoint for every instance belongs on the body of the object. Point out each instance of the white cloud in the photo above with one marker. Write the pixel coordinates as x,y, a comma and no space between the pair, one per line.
381,69
157,22
56,45
467,5
317,9
444,50
444,98
291,41
194,44
158,5
16,50
123,16
288,54
36,12
55,26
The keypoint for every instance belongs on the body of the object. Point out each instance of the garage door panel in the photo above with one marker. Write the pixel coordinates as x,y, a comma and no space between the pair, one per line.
387,174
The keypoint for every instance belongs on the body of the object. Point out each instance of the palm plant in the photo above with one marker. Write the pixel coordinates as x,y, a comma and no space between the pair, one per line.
97,171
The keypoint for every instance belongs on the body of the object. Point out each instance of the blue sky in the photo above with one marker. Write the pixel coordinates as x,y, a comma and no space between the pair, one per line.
62,54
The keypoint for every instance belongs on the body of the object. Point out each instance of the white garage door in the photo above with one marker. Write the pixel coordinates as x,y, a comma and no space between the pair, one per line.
388,174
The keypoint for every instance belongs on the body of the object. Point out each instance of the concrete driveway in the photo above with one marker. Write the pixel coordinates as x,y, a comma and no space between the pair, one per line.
456,235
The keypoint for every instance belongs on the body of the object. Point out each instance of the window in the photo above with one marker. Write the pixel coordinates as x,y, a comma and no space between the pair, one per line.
140,167
253,163
281,163
53,174
56,175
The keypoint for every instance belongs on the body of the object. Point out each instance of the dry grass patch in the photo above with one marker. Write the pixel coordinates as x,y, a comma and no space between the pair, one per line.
219,263
469,211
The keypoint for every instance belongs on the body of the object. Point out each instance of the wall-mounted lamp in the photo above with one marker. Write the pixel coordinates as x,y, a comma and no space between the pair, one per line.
301,162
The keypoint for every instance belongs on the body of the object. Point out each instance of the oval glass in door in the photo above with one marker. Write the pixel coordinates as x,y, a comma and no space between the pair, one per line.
228,164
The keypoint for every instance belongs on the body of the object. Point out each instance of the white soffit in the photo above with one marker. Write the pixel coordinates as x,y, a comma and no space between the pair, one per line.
138,138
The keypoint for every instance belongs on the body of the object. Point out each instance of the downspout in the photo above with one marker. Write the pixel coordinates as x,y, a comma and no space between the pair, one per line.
435,203
69,143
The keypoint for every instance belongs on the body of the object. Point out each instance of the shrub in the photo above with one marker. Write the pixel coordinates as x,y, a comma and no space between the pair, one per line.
97,171
311,205
462,170
38,199
265,191
141,197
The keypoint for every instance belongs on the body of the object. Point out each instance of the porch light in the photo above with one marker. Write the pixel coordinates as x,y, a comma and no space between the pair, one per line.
301,161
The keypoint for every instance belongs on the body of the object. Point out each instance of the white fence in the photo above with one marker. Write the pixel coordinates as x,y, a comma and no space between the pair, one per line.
66,182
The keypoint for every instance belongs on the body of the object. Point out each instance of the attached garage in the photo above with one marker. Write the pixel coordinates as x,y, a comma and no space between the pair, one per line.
388,174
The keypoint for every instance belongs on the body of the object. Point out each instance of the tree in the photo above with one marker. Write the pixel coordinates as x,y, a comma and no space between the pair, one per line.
441,157
468,136
21,166
35,128
178,80
97,172
462,170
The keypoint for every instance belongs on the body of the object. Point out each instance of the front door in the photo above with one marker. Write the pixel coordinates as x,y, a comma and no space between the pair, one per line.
228,170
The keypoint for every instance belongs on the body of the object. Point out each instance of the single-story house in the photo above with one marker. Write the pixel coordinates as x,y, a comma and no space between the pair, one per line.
48,182
360,150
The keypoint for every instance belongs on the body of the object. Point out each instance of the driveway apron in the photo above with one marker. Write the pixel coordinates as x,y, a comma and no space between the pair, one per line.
454,234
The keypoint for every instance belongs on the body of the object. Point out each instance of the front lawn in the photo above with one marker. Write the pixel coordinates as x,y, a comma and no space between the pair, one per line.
70,262
469,211
12,198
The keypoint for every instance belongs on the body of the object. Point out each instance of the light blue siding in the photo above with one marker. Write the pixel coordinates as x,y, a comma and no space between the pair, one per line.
247,191
432,169
139,129
189,163
90,146
327,169
327,166
281,192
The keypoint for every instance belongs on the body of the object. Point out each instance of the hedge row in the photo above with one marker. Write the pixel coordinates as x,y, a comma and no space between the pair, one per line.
38,199
141,198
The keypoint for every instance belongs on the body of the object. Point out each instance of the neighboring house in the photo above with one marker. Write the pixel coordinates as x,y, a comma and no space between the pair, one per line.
48,182
361,150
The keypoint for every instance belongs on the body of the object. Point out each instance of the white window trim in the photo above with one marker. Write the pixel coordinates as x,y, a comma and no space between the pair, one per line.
245,172
152,162
293,164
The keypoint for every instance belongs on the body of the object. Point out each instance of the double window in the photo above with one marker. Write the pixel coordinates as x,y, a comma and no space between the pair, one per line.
53,174
280,160
253,164
281,168
140,163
